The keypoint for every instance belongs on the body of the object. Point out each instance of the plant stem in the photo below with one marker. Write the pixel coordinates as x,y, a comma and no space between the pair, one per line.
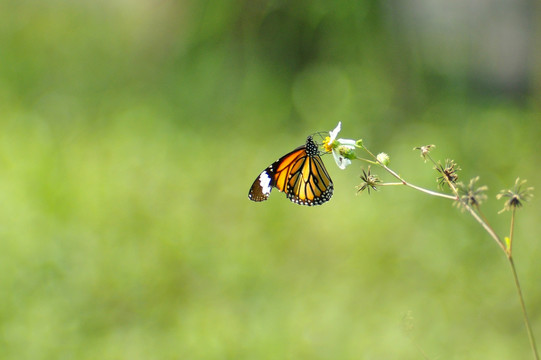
511,232
486,226
478,216
523,306
475,214
404,182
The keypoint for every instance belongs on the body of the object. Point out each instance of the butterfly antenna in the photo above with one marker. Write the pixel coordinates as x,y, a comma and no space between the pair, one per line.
320,135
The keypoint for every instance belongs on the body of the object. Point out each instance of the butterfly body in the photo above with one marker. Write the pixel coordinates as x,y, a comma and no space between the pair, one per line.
301,174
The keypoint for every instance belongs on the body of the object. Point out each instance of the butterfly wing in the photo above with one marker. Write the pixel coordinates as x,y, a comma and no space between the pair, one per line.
312,185
301,174
274,176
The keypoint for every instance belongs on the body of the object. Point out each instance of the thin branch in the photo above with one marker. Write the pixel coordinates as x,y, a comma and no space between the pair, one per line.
404,182
478,216
511,232
523,306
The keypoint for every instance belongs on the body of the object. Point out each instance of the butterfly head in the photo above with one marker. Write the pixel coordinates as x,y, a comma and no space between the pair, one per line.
317,139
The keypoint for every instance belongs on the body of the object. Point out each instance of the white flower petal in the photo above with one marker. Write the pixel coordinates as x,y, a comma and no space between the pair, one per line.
348,143
335,132
340,160
346,162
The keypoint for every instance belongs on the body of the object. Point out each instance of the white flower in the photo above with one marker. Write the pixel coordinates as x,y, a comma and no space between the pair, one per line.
342,149
335,132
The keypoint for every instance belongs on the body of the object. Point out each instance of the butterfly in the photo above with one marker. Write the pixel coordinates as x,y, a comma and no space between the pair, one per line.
301,174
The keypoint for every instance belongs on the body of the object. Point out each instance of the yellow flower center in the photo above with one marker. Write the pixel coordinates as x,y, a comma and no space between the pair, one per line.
327,145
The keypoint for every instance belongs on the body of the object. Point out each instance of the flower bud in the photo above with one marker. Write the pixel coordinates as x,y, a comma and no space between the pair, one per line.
383,158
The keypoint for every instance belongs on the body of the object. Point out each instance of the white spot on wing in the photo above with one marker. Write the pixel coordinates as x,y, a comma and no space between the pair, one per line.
264,181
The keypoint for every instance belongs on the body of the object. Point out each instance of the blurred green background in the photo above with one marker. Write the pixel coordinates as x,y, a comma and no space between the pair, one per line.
131,131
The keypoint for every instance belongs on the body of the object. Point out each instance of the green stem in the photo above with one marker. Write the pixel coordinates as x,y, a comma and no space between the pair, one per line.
508,252
511,233
485,226
478,216
426,191
402,181
523,306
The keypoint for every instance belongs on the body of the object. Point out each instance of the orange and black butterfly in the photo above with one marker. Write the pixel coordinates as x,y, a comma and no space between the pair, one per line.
301,174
